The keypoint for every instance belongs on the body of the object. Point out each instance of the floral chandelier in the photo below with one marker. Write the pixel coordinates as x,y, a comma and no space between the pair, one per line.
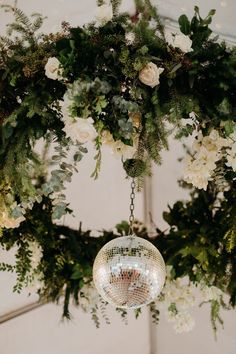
121,81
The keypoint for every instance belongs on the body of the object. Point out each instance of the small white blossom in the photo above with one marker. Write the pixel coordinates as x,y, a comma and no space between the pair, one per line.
119,149
209,293
35,276
192,120
52,69
192,115
207,150
123,150
231,152
231,157
37,253
177,298
179,293
89,297
150,75
197,172
182,322
130,38
104,14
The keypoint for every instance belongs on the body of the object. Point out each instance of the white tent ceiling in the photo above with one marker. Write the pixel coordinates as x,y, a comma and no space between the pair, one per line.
82,11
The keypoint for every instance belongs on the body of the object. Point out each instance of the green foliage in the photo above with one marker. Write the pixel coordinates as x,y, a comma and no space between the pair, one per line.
230,237
154,313
134,167
184,25
215,315
199,237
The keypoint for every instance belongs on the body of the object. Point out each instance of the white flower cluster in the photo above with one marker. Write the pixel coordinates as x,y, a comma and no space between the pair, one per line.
130,38
176,299
88,297
35,275
181,41
209,293
118,148
37,253
231,152
77,129
207,150
182,322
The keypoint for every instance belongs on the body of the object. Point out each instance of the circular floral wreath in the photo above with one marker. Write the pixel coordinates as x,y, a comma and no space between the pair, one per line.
126,82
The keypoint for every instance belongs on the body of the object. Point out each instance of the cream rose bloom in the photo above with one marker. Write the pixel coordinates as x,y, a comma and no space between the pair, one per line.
123,150
180,41
183,42
52,69
104,13
118,148
76,128
81,130
150,75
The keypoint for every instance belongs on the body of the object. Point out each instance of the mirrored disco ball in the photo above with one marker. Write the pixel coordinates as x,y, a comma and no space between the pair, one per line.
129,272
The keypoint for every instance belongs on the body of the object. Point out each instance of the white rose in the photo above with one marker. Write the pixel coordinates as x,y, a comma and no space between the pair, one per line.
182,42
150,75
81,130
104,13
52,69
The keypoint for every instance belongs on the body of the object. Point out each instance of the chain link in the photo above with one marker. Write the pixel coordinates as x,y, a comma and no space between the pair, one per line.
131,208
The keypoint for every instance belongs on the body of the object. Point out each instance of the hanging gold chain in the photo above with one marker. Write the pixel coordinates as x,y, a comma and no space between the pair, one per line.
131,208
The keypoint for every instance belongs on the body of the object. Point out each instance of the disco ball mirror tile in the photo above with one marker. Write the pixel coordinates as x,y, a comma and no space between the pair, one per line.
129,272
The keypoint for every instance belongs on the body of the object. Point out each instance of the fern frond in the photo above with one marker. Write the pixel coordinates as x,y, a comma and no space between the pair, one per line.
230,238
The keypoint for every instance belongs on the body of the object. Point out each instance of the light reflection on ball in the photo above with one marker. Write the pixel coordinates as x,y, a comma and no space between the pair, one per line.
129,272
